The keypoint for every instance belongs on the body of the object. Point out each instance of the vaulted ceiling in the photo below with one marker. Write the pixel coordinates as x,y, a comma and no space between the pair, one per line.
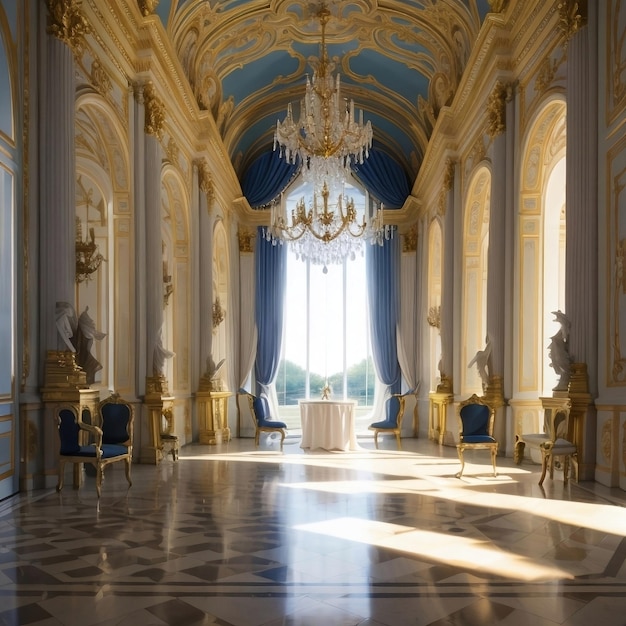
400,61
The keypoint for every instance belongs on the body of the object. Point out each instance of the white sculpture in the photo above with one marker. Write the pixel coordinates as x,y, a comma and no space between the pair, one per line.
558,350
83,339
481,360
159,355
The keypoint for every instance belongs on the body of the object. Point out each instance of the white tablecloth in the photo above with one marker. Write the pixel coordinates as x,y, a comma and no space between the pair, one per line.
328,424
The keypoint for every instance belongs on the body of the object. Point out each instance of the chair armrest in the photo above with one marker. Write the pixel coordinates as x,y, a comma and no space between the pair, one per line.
96,431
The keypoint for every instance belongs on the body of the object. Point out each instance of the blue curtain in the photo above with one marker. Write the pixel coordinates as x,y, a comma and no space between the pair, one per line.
383,288
383,178
271,277
267,178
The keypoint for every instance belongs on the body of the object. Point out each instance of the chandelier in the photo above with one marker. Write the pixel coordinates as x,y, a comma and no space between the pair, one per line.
88,257
327,138
327,230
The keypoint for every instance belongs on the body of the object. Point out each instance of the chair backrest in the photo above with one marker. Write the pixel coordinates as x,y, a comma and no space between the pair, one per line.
69,430
557,424
476,417
395,409
116,420
260,408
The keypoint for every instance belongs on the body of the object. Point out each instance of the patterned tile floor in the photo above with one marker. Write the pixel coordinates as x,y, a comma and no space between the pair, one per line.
230,535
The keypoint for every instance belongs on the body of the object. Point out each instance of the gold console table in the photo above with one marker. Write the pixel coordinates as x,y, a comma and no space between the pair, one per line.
213,416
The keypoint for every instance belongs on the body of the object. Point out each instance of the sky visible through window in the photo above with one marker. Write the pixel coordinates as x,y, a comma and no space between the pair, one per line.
327,316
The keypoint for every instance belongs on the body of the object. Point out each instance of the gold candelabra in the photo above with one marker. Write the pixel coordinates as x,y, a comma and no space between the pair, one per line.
88,258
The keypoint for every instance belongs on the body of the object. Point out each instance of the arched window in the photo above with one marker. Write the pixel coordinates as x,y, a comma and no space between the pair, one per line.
326,336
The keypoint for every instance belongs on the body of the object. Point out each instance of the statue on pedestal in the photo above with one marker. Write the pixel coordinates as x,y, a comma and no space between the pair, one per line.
482,362
558,350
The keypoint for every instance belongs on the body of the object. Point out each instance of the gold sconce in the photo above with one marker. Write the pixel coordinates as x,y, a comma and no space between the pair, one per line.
218,313
88,257
168,287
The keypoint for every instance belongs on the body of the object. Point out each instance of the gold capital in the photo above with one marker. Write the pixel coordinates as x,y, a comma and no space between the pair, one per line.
67,23
155,111
496,108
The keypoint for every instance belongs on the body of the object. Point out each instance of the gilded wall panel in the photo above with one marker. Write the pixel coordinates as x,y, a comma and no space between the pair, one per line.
615,44
528,337
124,309
616,263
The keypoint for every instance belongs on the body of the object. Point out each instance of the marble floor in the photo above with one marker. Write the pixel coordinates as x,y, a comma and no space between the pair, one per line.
233,535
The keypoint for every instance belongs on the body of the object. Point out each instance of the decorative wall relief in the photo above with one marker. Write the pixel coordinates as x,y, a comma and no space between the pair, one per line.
617,278
616,60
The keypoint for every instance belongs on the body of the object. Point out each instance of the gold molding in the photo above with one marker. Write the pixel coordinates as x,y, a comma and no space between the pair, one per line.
246,238
155,111
67,23
99,78
409,239
147,7
496,108
572,17
205,181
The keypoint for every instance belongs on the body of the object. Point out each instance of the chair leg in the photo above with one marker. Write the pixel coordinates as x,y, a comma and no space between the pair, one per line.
565,468
376,439
61,475
99,479
545,459
282,438
460,453
398,440
256,439
130,482
494,454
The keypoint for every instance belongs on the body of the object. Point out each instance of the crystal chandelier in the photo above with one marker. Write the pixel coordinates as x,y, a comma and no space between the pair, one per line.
327,231
327,137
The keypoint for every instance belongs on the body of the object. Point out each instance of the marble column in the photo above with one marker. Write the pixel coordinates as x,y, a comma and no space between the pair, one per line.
63,380
581,291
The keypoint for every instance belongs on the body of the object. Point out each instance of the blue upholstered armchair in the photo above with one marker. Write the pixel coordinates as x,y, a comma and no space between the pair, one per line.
263,422
476,420
392,424
99,445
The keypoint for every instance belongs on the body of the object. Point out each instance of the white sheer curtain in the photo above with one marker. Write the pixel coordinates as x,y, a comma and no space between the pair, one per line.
248,330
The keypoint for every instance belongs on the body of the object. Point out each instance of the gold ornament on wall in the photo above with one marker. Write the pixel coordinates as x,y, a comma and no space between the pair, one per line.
496,108
67,23
218,313
147,7
572,17
434,316
154,111
246,237
168,286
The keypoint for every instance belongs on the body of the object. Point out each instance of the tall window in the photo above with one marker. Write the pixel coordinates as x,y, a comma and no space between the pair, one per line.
326,330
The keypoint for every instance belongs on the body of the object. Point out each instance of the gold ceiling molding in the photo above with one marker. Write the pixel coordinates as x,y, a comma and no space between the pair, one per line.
155,111
496,108
67,23
498,6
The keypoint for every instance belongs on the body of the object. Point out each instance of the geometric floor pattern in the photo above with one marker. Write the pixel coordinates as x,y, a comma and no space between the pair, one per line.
233,535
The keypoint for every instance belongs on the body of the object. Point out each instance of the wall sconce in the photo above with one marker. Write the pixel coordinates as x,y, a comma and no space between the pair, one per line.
168,287
218,313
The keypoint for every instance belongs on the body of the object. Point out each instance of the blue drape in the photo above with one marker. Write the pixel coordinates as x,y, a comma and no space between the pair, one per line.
383,178
383,288
267,178
271,277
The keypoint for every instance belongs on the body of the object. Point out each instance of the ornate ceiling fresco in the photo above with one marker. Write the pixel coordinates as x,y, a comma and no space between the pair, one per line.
399,60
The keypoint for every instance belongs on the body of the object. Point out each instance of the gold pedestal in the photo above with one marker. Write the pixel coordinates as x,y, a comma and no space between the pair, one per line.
212,407
66,383
438,415
158,403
